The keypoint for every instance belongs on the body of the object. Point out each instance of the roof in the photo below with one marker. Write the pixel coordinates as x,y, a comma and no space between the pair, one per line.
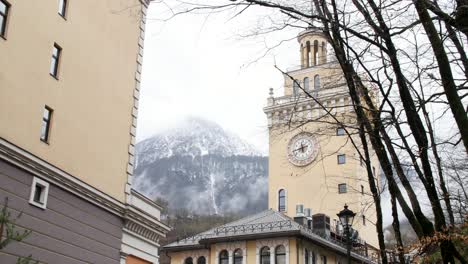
266,224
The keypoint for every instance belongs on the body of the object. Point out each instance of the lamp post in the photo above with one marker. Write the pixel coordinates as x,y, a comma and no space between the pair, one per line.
346,217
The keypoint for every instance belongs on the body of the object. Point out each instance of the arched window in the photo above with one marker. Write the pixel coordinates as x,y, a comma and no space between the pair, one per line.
306,256
306,83
308,54
314,258
188,260
317,82
280,255
265,255
201,260
296,87
282,200
316,47
324,259
324,52
223,257
237,256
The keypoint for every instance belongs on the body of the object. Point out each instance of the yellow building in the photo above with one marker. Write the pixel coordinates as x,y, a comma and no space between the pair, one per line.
314,165
269,237
69,92
313,171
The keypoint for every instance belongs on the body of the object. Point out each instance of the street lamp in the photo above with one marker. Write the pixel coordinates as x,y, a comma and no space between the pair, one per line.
346,217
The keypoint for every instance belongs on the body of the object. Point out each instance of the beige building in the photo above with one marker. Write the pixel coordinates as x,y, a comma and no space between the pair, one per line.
269,237
314,166
69,92
313,171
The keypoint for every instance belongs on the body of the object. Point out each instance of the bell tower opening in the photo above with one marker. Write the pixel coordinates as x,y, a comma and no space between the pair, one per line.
313,43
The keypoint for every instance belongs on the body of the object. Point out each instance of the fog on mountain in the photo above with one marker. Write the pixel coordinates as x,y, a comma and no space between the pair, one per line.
199,166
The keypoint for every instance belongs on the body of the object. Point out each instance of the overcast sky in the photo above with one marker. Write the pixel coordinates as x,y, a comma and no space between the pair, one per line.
199,65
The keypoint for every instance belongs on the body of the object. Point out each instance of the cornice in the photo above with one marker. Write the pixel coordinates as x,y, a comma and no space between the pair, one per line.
33,164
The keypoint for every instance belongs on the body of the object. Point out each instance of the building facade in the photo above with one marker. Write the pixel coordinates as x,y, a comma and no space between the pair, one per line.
269,237
69,92
314,164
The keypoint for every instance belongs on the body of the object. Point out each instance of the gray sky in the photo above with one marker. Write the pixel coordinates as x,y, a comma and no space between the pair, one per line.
199,65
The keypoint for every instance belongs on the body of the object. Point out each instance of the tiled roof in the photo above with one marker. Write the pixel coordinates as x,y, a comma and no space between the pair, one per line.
268,223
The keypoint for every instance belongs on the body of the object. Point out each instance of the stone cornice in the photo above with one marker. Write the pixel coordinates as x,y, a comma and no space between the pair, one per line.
134,215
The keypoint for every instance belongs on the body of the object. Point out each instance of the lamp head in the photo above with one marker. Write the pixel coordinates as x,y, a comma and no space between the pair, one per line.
346,216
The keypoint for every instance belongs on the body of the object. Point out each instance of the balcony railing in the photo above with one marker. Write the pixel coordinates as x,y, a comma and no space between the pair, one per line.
318,94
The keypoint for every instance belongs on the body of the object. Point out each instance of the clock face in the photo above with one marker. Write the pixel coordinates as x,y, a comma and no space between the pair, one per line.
302,149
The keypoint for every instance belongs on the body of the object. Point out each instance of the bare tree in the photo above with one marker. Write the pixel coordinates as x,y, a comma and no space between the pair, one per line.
405,67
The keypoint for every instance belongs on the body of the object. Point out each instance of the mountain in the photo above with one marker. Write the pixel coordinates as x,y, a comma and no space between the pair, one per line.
199,166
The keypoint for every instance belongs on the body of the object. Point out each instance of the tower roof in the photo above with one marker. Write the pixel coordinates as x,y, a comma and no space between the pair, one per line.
310,31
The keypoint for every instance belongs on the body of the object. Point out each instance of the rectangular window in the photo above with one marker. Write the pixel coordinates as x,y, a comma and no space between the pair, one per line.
4,8
341,159
340,131
342,188
54,63
39,193
362,189
46,120
363,220
62,8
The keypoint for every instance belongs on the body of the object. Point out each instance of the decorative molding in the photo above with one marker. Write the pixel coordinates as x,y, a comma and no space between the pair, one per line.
272,243
231,247
136,98
40,168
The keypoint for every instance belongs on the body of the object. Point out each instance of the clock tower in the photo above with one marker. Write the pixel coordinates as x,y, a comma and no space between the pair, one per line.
313,167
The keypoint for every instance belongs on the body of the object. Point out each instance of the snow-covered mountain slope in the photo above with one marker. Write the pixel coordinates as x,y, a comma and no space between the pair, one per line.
199,166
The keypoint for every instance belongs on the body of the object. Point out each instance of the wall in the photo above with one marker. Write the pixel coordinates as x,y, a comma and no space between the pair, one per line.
135,260
70,230
93,96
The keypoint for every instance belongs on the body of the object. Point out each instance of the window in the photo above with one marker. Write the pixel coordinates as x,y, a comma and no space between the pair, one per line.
4,8
306,83
201,260
223,257
46,121
188,260
316,52
342,188
280,255
340,131
54,63
316,82
296,88
62,8
324,52
265,255
39,193
362,189
324,259
341,159
282,200
363,220
314,258
306,256
237,256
